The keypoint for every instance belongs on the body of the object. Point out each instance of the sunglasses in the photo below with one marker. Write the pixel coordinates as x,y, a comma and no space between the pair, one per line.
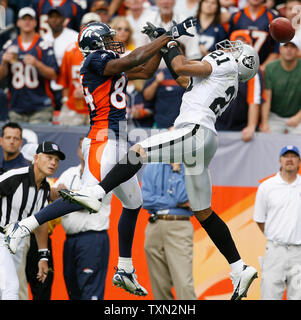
125,29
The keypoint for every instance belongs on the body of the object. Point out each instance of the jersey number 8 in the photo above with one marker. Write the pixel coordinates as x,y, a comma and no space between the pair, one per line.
118,97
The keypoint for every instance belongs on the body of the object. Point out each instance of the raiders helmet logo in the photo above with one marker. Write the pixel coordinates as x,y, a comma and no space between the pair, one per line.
249,62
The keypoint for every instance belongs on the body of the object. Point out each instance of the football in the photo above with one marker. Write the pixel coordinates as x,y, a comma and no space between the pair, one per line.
281,30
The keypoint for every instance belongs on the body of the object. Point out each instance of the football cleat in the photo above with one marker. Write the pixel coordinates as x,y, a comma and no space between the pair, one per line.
128,282
242,281
13,233
83,197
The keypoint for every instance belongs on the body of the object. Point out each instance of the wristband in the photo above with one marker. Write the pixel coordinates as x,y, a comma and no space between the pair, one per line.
43,254
172,52
173,43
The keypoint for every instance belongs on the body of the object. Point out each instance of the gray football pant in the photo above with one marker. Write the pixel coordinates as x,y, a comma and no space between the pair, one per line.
192,145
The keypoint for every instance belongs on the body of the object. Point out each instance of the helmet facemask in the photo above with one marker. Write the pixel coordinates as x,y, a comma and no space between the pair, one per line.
110,44
234,47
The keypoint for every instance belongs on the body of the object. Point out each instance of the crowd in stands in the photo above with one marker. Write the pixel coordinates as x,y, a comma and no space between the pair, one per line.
40,60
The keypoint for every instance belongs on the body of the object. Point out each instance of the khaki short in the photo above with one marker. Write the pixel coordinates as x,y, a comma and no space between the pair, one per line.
41,116
278,125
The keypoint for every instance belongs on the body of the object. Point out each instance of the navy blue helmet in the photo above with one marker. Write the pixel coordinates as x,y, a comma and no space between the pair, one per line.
98,35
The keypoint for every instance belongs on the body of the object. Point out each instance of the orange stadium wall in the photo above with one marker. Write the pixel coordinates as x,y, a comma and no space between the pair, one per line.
210,269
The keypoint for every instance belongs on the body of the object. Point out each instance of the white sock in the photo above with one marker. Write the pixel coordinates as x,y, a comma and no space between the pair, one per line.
126,264
237,266
30,223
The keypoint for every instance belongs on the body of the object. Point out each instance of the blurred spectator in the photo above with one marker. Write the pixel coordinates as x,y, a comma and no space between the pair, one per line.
186,8
277,213
101,7
137,16
164,18
292,12
71,11
271,5
60,37
282,110
30,63
74,109
4,105
124,33
119,8
17,5
165,96
255,19
86,249
7,31
11,142
7,22
169,233
208,27
243,112
139,111
232,5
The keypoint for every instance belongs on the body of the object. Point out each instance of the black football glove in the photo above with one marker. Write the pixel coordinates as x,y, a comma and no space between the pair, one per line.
152,31
180,29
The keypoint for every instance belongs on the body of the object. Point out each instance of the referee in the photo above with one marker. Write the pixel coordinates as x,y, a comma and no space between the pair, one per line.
24,192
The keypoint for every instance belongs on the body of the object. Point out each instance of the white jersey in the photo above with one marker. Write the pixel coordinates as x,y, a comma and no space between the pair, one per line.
207,98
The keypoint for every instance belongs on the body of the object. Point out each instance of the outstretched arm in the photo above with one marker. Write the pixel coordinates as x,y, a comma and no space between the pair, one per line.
146,70
184,67
136,57
140,55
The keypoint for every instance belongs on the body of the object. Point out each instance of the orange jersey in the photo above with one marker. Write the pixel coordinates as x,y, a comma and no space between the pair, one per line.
106,95
69,78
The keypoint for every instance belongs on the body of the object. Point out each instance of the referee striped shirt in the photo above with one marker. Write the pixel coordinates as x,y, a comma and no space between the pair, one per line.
19,195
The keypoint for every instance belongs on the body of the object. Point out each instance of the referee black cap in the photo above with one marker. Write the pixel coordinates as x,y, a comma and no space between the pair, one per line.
50,147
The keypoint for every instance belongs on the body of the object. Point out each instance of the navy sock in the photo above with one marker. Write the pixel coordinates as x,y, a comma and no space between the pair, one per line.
55,210
126,231
220,234
124,170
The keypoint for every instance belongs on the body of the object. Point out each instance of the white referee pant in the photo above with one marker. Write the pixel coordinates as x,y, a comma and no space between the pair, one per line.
9,282
192,145
281,269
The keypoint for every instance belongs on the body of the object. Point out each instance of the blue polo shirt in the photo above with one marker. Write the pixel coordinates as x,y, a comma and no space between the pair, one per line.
15,163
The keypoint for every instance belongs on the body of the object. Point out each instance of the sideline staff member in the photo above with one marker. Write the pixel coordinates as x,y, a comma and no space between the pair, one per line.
278,215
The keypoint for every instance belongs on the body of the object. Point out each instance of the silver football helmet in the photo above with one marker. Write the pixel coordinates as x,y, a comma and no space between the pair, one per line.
248,63
246,57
